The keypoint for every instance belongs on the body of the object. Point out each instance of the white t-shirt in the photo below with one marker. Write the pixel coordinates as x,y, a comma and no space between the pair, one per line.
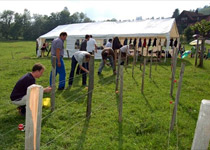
80,56
108,44
91,45
125,49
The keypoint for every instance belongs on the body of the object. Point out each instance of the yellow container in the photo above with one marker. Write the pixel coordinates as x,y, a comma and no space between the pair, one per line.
46,102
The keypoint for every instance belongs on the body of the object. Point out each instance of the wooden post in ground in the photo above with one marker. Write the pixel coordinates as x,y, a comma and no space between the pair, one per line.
118,71
147,53
150,71
33,117
177,97
90,85
173,71
196,53
142,83
142,56
134,61
53,83
121,93
202,131
68,54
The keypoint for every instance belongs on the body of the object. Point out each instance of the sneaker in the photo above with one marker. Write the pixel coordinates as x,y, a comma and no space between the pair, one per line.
99,73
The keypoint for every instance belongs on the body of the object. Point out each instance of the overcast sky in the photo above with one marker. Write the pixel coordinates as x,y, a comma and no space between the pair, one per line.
102,10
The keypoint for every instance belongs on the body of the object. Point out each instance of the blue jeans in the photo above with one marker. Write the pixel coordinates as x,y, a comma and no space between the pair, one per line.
102,64
62,73
73,66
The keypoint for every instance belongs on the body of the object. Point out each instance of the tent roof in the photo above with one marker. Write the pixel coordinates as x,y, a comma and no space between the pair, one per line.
144,28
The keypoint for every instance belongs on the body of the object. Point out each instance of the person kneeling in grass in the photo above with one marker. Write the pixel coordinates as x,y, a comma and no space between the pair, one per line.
18,95
107,53
82,58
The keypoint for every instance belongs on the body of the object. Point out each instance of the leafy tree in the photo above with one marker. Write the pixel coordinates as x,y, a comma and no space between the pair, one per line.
188,33
176,13
6,19
26,25
16,29
203,29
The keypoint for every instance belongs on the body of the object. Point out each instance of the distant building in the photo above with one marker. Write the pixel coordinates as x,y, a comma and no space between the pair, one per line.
139,18
187,18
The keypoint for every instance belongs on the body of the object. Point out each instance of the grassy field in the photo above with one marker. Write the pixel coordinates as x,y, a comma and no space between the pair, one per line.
146,117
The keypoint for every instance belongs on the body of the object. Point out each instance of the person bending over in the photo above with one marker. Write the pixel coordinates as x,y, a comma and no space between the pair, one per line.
107,53
18,95
80,57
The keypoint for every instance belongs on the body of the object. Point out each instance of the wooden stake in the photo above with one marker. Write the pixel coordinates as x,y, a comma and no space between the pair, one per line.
53,83
150,72
90,85
202,131
134,61
177,97
118,71
142,83
173,71
121,93
33,117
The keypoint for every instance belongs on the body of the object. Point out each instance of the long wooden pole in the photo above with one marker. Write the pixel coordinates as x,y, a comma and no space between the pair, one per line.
196,53
118,71
90,85
177,96
150,72
134,61
142,83
33,117
53,83
121,94
173,71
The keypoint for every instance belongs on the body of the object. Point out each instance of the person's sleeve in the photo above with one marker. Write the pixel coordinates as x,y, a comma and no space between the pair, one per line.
59,45
95,42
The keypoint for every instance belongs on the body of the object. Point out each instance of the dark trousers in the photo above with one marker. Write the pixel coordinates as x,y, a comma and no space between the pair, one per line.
73,67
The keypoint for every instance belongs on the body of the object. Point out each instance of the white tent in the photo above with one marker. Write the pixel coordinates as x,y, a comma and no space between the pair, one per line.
156,28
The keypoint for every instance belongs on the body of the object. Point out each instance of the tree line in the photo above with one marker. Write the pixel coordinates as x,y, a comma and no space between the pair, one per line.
16,26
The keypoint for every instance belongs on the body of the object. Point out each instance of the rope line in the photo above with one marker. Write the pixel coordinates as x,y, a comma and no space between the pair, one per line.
73,125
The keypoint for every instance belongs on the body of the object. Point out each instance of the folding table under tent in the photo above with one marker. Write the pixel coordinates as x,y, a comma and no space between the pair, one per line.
155,28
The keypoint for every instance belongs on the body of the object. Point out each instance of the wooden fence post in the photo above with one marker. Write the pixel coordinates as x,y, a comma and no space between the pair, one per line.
150,71
118,71
53,83
90,85
173,71
142,83
142,56
68,54
121,93
177,97
33,117
134,61
202,131
196,53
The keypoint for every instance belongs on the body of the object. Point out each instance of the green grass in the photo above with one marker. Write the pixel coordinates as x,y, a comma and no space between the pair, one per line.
146,117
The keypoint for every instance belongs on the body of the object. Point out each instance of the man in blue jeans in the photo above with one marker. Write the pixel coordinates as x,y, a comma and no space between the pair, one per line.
80,57
57,50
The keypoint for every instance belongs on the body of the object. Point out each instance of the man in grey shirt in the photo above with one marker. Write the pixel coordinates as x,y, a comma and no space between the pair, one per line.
80,57
57,50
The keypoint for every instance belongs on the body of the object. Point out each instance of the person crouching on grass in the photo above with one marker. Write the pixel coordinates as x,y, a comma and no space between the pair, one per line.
18,95
107,53
82,58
